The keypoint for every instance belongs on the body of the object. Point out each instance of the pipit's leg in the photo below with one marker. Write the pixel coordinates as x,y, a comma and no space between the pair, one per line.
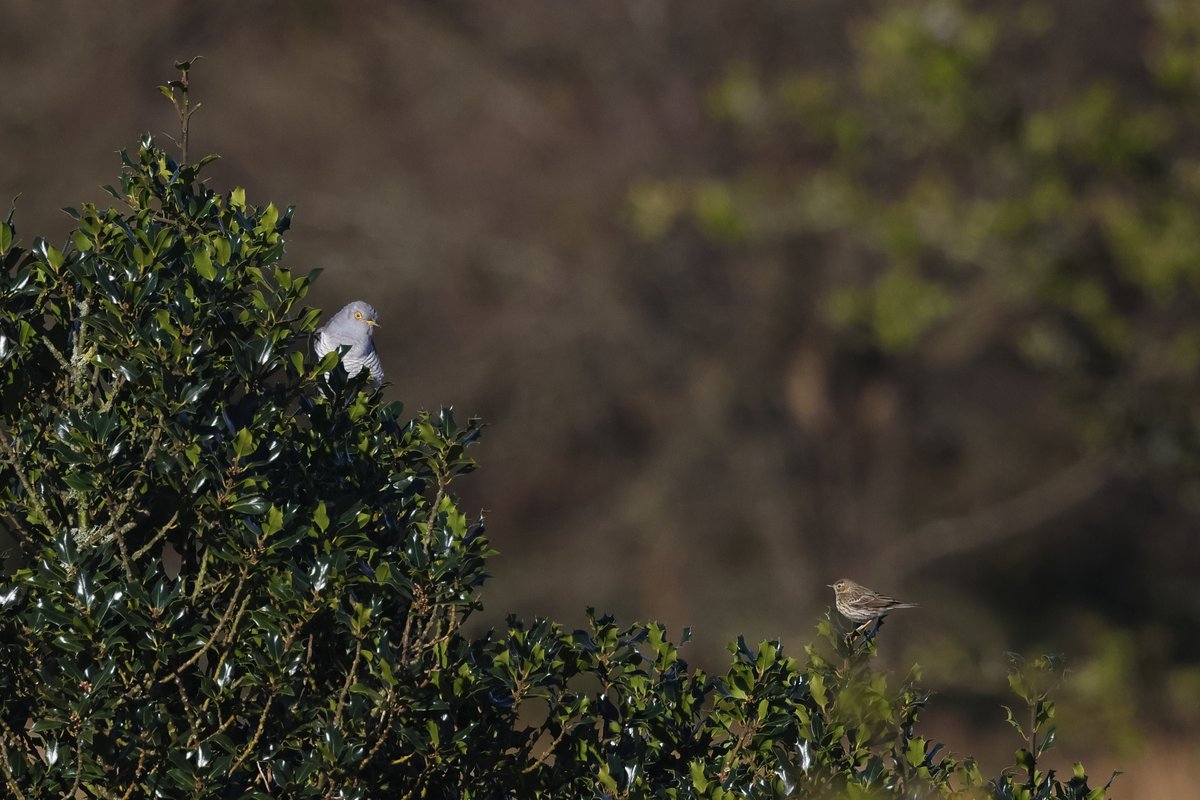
856,631
873,625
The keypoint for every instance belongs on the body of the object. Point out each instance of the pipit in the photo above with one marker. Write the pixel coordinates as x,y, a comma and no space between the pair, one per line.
860,604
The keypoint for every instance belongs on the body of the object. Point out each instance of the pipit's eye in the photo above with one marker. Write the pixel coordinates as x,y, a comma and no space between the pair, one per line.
358,315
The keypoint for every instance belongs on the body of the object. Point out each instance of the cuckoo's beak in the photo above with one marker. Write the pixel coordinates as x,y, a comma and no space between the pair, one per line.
372,323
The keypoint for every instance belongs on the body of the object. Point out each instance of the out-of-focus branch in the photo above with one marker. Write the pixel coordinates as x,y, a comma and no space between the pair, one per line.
1036,506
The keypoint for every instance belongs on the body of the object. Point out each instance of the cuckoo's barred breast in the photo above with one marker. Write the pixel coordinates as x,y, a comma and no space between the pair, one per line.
351,328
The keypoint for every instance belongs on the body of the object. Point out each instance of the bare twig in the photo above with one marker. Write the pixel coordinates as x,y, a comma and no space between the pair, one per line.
265,777
380,737
405,635
78,767
79,352
184,107
216,633
113,391
9,778
137,774
231,631
253,743
341,703
58,356
193,720
224,726
419,604
13,461
433,512
162,532
114,527
124,553
747,733
200,573
549,751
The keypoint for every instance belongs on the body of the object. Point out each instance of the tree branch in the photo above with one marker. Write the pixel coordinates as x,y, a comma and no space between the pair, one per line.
341,703
253,743
1036,506
156,537
216,633
14,462
9,778
78,767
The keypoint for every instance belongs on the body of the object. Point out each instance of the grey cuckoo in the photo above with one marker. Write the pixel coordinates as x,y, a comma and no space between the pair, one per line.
352,327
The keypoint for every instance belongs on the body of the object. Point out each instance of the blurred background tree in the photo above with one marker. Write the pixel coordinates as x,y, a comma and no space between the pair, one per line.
906,292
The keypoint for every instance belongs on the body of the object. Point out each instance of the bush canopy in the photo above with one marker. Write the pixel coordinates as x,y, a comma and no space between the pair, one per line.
234,572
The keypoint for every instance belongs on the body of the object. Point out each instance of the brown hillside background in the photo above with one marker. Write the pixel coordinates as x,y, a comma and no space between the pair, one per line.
754,296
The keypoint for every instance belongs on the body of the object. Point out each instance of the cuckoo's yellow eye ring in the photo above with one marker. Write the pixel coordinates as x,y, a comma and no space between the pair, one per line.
358,315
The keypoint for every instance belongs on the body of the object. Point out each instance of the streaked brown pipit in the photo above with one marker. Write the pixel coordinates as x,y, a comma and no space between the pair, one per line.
860,604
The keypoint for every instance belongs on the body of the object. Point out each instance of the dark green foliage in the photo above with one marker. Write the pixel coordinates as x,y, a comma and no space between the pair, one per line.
156,391
159,400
